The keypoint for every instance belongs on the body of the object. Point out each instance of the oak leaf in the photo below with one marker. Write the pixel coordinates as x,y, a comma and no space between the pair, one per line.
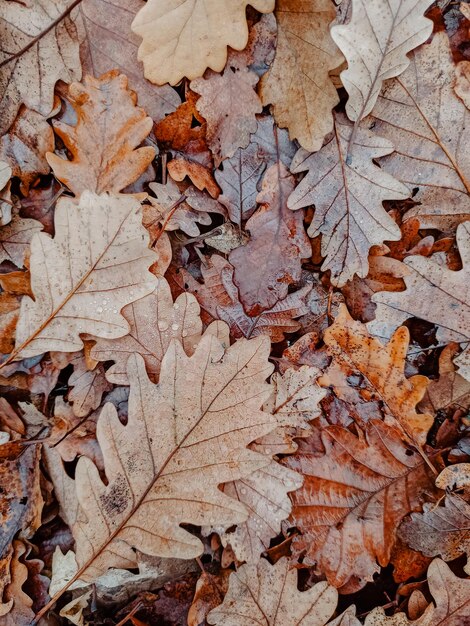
163,321
298,83
271,260
268,595
184,39
347,194
383,368
104,140
95,265
375,42
15,238
166,472
353,498
451,596
34,56
430,128
86,386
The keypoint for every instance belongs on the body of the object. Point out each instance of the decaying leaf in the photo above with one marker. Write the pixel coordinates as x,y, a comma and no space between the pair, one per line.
184,39
15,238
298,83
353,498
375,42
451,595
87,386
31,67
163,321
268,595
74,279
18,604
348,195
271,260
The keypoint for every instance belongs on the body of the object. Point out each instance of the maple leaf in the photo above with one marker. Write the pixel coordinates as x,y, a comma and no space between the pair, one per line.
39,46
375,42
268,595
15,238
184,39
164,321
383,367
348,196
74,279
430,128
102,143
353,498
168,471
443,299
271,260
298,83
107,42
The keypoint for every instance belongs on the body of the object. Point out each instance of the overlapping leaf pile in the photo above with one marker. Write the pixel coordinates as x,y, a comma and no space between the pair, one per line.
234,312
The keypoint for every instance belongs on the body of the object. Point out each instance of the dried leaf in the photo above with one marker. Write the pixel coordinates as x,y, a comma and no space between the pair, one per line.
210,592
95,265
87,387
20,611
271,260
348,196
268,595
104,140
450,390
185,39
15,238
29,75
298,83
375,42
5,174
353,498
451,595
200,175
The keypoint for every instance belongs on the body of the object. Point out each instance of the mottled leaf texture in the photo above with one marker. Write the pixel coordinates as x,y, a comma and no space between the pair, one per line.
451,596
353,499
298,83
95,265
433,293
87,386
347,194
430,128
185,38
383,367
15,238
30,76
271,260
166,471
267,595
375,42
107,43
154,321
103,142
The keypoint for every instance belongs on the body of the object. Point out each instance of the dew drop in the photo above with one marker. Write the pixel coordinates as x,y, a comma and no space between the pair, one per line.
162,325
99,309
174,327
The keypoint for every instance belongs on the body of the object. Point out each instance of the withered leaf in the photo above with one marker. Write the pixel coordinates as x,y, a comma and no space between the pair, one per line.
86,387
15,238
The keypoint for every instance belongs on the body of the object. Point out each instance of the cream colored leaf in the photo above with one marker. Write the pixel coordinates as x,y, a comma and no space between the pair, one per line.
29,77
82,278
347,194
183,438
15,238
376,42
5,174
73,610
298,83
184,38
154,321
267,595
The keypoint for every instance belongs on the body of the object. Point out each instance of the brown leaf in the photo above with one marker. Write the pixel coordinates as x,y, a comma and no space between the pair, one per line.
267,594
19,604
200,175
353,499
15,239
462,82
271,260
451,595
87,387
450,390
298,83
32,68
348,195
104,140
210,592
9,311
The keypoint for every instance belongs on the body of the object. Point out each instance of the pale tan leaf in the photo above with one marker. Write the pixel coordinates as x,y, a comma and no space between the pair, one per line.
375,42
73,610
462,82
451,596
348,195
87,387
185,38
430,129
5,174
29,77
298,83
166,471
104,141
154,321
95,265
267,595
15,238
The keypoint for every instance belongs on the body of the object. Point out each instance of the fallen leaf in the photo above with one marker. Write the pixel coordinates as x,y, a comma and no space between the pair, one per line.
375,42
5,174
18,603
298,83
271,260
451,595
15,239
462,82
200,175
348,196
185,39
87,387
268,595
209,593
